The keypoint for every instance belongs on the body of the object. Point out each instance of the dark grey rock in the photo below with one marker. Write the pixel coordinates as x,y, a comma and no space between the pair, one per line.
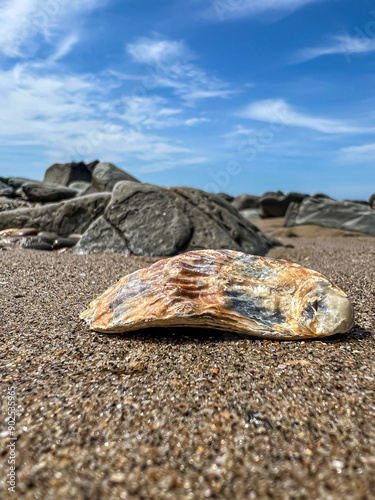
7,191
64,218
64,243
333,214
47,192
245,201
277,205
360,202
227,197
101,237
105,176
35,243
66,173
143,219
18,182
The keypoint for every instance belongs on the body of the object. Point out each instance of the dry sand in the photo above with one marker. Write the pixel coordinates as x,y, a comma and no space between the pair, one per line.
183,414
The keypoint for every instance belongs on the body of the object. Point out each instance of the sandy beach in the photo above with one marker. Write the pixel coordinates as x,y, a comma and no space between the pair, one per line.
184,414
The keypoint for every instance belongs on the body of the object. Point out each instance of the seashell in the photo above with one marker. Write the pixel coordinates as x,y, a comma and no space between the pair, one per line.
226,290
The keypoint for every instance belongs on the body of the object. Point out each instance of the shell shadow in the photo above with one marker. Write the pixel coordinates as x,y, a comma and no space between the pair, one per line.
182,335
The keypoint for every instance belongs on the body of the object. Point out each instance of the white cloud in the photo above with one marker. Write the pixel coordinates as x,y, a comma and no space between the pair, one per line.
278,111
154,51
64,114
229,9
344,45
170,69
358,154
64,47
23,21
240,131
194,121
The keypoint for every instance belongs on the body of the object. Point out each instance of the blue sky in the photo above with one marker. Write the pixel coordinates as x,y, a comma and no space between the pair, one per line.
225,95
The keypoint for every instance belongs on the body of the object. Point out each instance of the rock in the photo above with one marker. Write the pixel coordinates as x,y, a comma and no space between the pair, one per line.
35,243
372,201
66,173
75,236
330,213
47,192
360,202
277,205
225,290
245,201
143,219
227,197
27,231
8,204
80,186
105,176
18,182
6,190
101,237
8,233
48,236
64,243
250,213
64,218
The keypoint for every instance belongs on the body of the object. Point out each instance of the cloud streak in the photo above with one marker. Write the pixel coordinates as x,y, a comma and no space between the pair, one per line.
278,111
23,21
340,45
168,67
232,9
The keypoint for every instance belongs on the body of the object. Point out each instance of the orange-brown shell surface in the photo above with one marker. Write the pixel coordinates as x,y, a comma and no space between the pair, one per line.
226,290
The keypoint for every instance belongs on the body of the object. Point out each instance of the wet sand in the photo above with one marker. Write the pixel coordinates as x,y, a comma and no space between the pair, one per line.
184,414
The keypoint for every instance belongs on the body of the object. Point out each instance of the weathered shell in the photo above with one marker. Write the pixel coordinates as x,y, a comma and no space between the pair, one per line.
225,290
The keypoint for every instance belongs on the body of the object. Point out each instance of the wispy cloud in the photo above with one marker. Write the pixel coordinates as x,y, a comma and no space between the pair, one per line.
23,21
278,111
240,131
158,51
343,45
168,67
190,122
65,115
358,154
230,9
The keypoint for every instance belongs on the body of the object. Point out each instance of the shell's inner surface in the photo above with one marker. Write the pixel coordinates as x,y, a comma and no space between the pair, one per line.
226,290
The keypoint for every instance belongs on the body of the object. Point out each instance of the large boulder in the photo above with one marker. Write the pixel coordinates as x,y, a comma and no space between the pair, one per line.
143,219
47,192
332,213
105,176
276,205
64,218
66,173
372,201
246,201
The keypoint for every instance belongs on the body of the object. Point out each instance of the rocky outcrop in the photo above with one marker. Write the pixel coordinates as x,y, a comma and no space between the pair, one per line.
245,202
143,219
276,205
105,176
333,214
372,201
46,192
64,218
66,173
